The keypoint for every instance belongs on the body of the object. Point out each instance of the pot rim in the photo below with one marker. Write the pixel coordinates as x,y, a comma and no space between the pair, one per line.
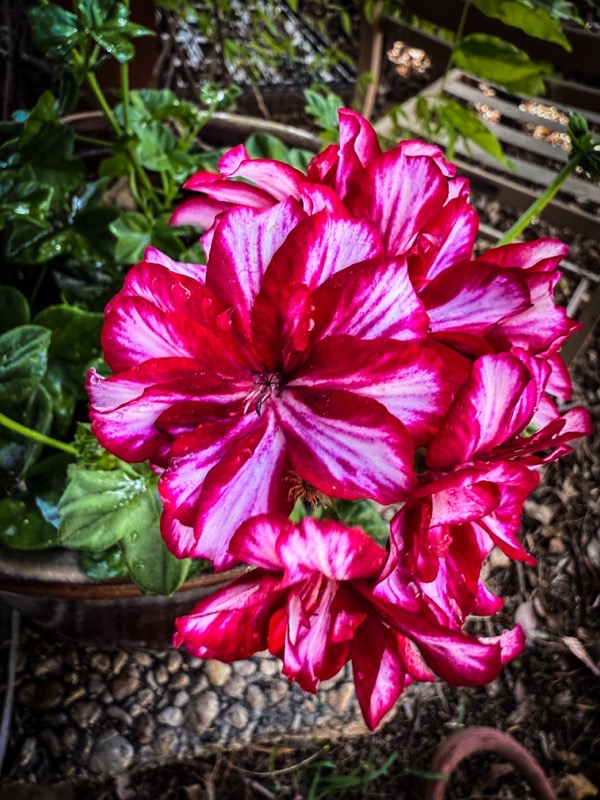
56,573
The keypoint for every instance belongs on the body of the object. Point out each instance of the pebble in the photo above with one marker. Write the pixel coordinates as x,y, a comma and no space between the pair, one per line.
237,716
278,691
43,695
165,744
181,699
340,699
235,687
174,661
268,667
111,754
101,662
48,666
28,750
217,672
70,738
179,681
116,712
245,668
144,727
119,662
125,684
162,675
85,713
151,681
142,659
50,739
255,698
145,697
172,716
202,712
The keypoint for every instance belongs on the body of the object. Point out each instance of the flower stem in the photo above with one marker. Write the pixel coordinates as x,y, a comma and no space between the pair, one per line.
536,208
457,40
36,435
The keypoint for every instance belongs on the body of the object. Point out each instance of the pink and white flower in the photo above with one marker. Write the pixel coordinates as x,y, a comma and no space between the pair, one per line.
313,601
232,384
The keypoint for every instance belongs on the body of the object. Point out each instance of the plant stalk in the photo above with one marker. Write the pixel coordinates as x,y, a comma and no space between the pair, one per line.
540,203
457,40
36,436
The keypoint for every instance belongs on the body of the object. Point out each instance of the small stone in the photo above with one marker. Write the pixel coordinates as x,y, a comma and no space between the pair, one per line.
245,668
255,698
217,672
101,662
50,739
179,681
27,753
96,686
181,699
278,691
112,753
174,661
198,683
42,695
68,770
71,678
165,744
202,712
86,713
142,659
171,716
116,712
195,662
145,697
151,681
125,684
162,675
70,739
340,699
119,662
144,728
237,716
268,666
75,695
235,687
48,666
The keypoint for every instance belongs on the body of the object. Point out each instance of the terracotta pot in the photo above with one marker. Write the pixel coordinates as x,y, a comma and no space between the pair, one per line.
47,586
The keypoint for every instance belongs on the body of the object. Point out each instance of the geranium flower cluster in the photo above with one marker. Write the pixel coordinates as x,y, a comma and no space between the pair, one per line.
342,342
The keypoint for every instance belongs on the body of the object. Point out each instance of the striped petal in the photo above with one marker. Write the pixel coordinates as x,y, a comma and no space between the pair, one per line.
345,445
495,403
368,301
243,245
195,271
199,212
541,255
247,481
408,379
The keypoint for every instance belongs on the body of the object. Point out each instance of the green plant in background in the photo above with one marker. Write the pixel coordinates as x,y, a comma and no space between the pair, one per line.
491,58
65,249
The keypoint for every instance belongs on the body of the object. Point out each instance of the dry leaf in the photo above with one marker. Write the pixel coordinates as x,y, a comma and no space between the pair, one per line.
581,653
576,787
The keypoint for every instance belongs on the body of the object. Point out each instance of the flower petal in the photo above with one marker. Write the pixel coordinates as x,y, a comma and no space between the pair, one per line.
407,378
199,212
247,481
242,248
195,271
345,445
370,300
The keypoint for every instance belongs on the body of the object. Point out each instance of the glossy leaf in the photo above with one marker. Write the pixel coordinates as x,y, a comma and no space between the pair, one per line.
23,361
468,124
500,62
55,31
24,527
152,567
100,507
535,22
14,309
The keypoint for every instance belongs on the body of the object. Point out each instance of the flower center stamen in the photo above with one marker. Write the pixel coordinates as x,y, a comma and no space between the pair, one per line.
267,384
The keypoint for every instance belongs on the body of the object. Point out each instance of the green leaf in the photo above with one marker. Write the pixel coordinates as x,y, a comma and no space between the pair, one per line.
559,9
23,361
156,142
151,565
264,145
75,337
134,233
535,22
324,108
467,123
104,565
100,507
14,309
500,62
24,527
54,31
363,514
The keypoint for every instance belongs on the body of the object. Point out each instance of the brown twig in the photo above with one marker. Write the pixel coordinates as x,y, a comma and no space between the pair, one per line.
481,739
